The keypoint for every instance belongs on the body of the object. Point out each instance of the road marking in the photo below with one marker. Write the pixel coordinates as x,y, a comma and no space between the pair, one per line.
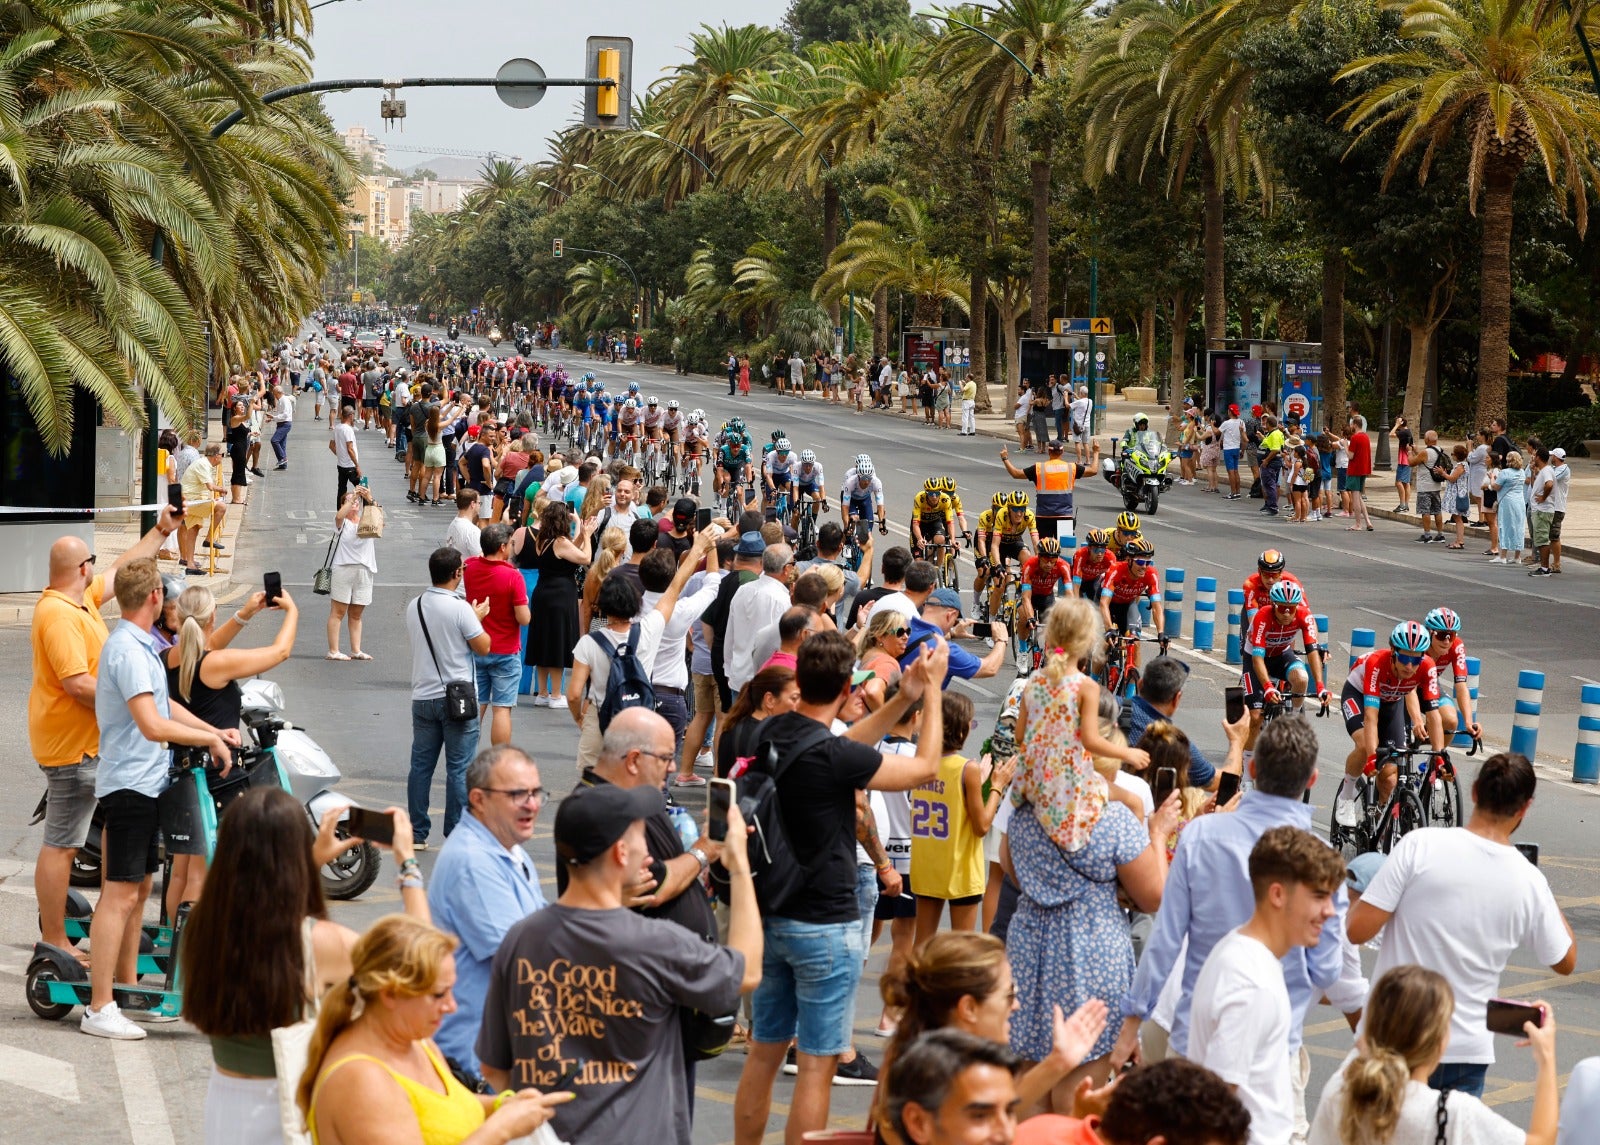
1149,520
1213,564
48,1077
141,1094
1586,680
1385,615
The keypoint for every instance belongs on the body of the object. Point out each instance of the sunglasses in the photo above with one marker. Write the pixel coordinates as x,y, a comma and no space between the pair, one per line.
898,631
1144,562
88,560
1409,661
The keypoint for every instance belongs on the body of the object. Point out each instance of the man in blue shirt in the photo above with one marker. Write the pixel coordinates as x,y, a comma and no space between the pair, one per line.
1160,689
137,721
941,613
1208,894
484,883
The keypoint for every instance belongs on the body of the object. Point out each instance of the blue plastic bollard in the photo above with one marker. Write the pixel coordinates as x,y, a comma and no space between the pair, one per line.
1172,623
1232,654
1586,758
1362,641
1205,613
1322,637
1463,738
1525,718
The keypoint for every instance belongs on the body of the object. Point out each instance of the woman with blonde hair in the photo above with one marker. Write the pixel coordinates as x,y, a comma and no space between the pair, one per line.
1381,1095
373,1074
613,543
833,576
204,672
878,650
1512,519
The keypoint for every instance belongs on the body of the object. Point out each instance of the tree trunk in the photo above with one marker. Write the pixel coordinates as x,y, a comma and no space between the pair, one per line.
1011,327
978,339
1494,339
1147,346
1247,320
1417,372
1291,325
1216,313
1039,180
830,234
1333,336
880,320
1177,361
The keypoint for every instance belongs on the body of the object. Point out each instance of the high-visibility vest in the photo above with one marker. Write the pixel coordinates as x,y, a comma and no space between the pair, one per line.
1054,480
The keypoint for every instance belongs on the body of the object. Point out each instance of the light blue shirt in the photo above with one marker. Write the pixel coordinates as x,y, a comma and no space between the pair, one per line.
479,890
129,667
1208,894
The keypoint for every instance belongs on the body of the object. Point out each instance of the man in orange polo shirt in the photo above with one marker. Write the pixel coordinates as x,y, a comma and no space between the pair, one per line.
68,633
1174,1102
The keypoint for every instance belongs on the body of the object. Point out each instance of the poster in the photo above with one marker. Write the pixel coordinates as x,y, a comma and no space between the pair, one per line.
1235,381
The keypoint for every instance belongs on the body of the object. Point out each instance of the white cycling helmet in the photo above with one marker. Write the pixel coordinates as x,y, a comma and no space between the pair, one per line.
652,401
781,445
863,460
673,404
864,469
698,414
808,457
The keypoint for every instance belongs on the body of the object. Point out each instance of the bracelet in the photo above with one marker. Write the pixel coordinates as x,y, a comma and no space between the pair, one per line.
410,866
885,866
501,1098
240,618
409,882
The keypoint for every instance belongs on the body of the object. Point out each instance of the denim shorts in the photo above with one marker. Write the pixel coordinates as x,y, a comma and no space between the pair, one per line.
809,975
867,900
70,802
1402,475
1230,460
499,675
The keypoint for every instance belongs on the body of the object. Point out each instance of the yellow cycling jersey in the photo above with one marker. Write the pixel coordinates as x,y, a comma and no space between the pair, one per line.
925,506
1008,522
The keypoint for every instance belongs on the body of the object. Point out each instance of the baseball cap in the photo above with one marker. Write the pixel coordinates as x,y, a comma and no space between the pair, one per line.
947,597
1363,869
1559,453
1256,410
1233,409
592,818
750,545
1188,401
683,509
1053,445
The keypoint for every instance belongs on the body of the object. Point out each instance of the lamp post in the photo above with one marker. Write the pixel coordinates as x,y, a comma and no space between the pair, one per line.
615,186
647,133
550,187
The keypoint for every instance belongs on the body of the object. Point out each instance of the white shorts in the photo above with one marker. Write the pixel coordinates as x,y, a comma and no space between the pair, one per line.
352,584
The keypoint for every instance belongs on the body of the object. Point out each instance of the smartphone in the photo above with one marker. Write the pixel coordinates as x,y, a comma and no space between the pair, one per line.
1507,1017
1227,787
1234,704
1529,851
568,1076
702,518
982,630
272,585
720,795
373,826
175,497
1166,783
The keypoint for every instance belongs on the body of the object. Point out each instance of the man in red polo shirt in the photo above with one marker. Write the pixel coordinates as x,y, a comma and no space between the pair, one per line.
1173,1101
494,578
1357,472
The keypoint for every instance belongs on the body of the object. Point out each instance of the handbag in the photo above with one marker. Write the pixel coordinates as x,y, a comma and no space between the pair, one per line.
322,581
291,1046
371,524
460,696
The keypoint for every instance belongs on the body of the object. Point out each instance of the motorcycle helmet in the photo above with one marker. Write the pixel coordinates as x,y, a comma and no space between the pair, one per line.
1049,547
1409,636
1141,421
1017,499
1270,561
1128,522
1442,620
1286,592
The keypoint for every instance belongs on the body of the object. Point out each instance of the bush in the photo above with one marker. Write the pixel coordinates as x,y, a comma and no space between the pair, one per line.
658,345
1570,428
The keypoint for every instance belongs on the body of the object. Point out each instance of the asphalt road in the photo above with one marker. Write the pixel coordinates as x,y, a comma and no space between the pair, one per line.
151,1093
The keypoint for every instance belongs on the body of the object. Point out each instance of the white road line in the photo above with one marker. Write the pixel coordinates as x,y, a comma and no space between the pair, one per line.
49,1077
141,1094
1586,680
1375,612
1149,520
1213,564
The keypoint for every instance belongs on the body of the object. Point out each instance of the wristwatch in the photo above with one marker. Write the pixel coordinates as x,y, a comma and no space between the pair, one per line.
701,857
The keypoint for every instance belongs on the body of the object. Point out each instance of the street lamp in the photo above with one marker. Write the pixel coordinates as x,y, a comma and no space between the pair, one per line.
324,4
582,167
647,133
550,187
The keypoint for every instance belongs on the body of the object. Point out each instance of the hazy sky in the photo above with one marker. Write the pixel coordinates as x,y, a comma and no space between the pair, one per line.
386,39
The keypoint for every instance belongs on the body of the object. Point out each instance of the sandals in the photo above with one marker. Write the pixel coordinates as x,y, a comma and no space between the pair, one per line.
1458,547
336,656
359,656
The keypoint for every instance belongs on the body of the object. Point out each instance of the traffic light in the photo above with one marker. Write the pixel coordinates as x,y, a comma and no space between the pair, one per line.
609,58
555,248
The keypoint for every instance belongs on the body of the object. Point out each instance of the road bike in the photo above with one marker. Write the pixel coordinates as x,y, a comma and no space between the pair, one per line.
806,542
943,556
1424,795
1119,674
737,498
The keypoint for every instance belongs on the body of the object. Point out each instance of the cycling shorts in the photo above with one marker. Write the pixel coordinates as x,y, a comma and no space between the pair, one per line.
1120,615
780,480
1278,669
1011,549
1090,590
810,490
1041,604
933,526
1391,716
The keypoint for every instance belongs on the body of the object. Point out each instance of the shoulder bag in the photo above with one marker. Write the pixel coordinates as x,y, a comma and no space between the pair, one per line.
291,1047
1442,1117
460,696
322,581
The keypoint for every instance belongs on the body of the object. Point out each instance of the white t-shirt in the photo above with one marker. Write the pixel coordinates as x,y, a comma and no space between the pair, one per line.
1435,884
1468,1121
1232,433
650,625
344,436
464,537
1136,784
1239,1029
894,819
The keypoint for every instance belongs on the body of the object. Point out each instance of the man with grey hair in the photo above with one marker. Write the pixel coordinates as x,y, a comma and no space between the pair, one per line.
484,883
754,611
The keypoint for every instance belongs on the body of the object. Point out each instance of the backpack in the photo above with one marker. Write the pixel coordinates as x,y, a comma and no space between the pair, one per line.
1438,470
775,865
628,685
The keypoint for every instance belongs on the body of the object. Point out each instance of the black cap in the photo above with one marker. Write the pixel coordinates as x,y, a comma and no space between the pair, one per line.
683,509
592,818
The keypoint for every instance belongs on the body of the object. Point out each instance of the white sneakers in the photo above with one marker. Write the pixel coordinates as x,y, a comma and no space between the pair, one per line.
558,701
704,760
1347,812
109,1022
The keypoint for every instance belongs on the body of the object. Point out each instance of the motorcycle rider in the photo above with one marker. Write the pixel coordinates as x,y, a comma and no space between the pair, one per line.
1141,438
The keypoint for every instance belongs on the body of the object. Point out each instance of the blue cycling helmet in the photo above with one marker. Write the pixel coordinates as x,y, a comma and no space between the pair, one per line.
1442,620
633,387
1286,592
1409,636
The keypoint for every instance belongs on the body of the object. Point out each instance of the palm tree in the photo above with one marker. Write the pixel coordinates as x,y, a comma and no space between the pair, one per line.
601,295
895,254
1483,71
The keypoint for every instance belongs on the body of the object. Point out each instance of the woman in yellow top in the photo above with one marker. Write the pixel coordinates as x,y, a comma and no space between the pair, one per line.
373,1075
950,815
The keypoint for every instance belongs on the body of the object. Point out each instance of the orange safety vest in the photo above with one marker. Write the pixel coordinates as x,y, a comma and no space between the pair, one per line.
1054,481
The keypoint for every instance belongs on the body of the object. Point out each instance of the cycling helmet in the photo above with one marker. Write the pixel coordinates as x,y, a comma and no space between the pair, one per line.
652,401
1097,539
1409,636
998,501
1442,620
777,435
632,403
808,457
1139,549
933,485
947,484
1270,561
672,405
586,376
862,459
736,425
698,414
1286,592
1128,522
633,387
781,445
1049,547
864,471
1017,499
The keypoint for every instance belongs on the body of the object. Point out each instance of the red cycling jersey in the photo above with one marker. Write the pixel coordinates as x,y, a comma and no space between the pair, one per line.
1085,567
1125,582
1040,575
1456,657
1255,593
1270,638
1374,676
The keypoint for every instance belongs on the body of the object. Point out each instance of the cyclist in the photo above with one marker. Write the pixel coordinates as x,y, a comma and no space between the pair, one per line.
1257,586
809,481
652,429
1126,532
733,465
1007,528
1090,564
1269,644
777,473
1044,577
935,511
1373,702
1126,582
629,420
696,445
860,500
672,430
1445,648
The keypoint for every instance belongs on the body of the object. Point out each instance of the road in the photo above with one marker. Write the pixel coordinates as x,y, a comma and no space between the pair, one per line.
151,1093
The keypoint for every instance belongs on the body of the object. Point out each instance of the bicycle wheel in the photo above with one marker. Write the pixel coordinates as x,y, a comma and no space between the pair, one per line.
1357,838
1443,798
952,572
1401,815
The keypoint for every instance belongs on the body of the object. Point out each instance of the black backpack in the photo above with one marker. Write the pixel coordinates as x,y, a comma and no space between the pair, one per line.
775,866
628,685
